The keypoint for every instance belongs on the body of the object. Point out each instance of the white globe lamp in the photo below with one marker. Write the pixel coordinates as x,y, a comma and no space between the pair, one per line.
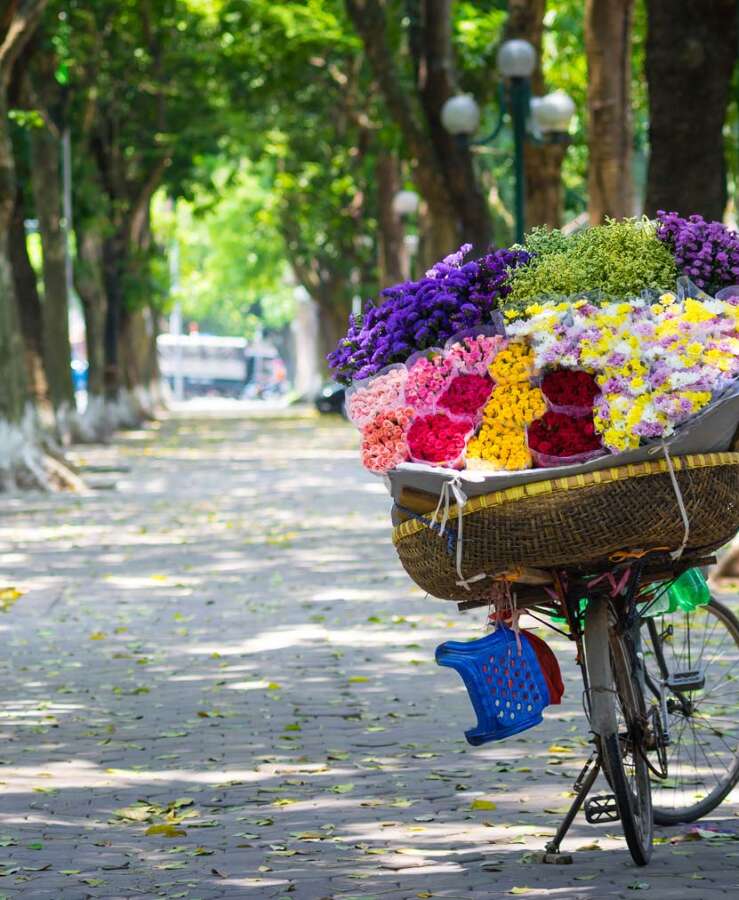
460,115
405,203
553,113
516,59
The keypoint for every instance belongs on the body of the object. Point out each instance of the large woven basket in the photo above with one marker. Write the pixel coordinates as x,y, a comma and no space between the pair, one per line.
574,522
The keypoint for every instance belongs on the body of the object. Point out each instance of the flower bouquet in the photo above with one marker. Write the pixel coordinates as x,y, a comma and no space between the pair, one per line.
632,326
595,352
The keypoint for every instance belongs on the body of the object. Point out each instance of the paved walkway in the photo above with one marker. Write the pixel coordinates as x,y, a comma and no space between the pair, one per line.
220,683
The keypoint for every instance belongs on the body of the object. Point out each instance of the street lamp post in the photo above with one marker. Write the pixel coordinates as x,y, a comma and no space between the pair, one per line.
516,63
534,119
405,204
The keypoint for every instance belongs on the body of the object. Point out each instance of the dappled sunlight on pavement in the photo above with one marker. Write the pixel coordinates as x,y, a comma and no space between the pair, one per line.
220,683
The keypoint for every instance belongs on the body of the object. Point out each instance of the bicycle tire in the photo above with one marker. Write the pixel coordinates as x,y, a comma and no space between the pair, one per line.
691,812
614,689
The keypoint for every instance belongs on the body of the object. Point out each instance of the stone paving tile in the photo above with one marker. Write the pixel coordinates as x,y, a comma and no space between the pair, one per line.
225,652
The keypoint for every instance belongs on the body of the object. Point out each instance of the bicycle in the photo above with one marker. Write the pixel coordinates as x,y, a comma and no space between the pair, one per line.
651,696
655,694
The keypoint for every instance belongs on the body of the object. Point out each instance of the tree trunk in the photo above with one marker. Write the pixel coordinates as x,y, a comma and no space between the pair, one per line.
691,51
114,259
13,390
544,192
23,462
91,290
45,158
437,235
608,49
29,312
442,169
333,319
542,163
18,21
436,84
94,424
394,261
138,369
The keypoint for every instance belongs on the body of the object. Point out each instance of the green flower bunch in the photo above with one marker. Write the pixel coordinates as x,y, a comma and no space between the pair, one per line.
617,260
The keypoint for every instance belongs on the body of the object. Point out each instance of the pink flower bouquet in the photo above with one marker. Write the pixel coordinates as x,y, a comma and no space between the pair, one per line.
380,394
473,353
428,378
384,440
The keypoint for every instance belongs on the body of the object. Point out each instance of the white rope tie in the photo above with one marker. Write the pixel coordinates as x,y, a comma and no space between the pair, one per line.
676,554
453,488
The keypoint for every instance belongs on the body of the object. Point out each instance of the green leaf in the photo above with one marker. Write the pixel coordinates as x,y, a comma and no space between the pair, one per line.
342,788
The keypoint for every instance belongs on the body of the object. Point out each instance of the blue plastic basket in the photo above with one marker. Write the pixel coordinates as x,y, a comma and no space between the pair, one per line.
508,690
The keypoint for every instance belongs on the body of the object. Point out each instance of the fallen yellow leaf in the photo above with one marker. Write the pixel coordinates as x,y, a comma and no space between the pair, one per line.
482,804
169,831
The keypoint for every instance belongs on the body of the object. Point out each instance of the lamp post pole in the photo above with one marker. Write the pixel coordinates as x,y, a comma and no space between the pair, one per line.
550,115
405,205
519,112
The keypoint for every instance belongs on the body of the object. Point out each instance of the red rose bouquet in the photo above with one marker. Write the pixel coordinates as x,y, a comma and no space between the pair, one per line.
569,391
466,395
555,437
439,439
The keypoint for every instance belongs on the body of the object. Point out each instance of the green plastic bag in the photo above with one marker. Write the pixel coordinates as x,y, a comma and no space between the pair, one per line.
686,594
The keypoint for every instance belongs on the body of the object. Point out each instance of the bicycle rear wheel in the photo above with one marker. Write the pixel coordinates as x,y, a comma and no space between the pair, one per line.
618,719
703,751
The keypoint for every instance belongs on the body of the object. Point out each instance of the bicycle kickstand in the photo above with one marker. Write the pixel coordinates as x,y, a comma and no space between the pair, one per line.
584,782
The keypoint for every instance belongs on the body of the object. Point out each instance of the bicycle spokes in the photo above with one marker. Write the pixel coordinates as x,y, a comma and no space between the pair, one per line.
693,676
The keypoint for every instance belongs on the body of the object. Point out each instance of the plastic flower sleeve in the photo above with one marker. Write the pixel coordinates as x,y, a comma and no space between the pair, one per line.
546,461
560,440
729,294
380,393
473,349
385,440
429,375
466,395
513,364
439,439
570,392
687,288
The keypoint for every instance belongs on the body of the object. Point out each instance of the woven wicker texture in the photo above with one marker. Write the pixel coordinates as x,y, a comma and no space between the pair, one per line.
574,522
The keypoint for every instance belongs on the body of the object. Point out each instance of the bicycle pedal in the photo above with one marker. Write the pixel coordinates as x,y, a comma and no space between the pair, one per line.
601,809
691,680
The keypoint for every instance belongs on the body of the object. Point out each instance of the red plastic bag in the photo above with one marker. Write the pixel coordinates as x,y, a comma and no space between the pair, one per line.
549,666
